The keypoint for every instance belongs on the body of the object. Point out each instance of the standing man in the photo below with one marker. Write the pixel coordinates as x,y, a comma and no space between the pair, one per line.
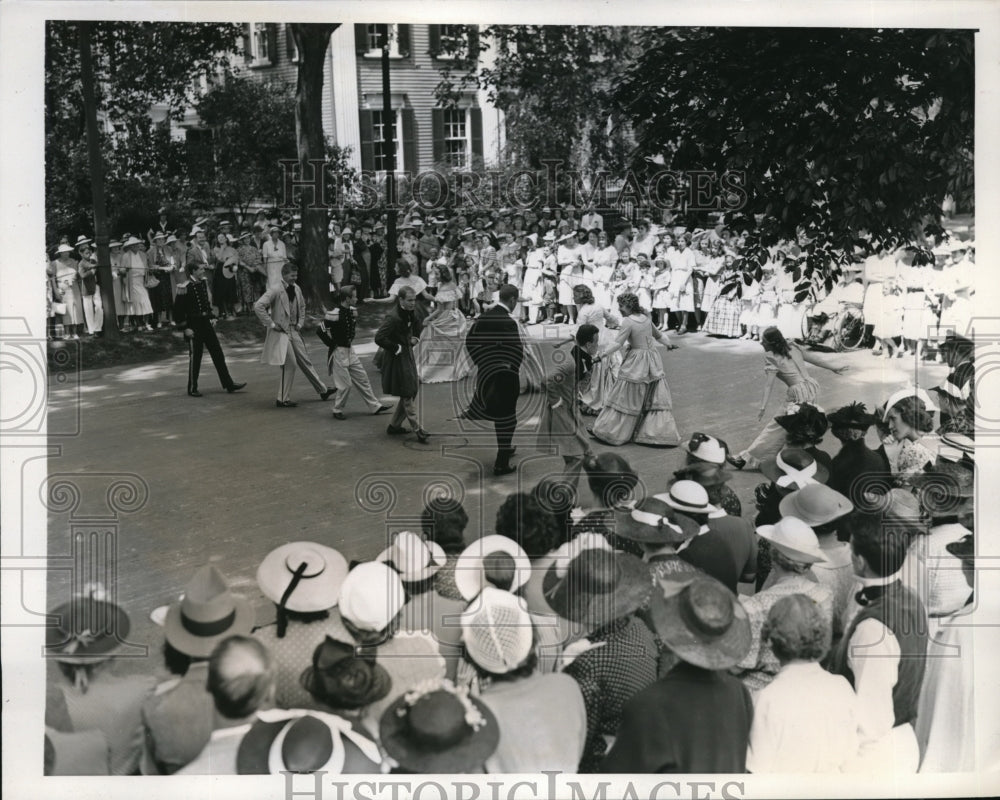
193,314
283,310
495,346
275,257
343,363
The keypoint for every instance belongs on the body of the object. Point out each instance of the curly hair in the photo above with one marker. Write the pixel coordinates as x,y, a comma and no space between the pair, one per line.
797,629
443,521
629,304
913,412
582,295
529,523
611,479
556,495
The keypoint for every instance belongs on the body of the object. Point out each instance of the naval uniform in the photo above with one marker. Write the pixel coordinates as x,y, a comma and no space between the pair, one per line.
193,311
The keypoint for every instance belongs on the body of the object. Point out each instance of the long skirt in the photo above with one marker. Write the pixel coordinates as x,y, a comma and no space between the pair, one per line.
885,313
918,320
139,304
724,317
639,407
604,375
441,354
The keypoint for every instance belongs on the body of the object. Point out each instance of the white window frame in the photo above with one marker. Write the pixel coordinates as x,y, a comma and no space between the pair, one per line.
376,52
444,55
467,156
259,29
295,47
377,143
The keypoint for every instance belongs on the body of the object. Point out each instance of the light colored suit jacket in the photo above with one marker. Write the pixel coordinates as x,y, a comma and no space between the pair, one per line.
273,308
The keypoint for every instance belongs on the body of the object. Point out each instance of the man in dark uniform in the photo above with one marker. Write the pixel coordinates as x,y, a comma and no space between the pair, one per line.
193,314
495,346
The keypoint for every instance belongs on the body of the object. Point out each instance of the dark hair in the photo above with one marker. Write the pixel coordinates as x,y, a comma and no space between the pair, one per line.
176,661
509,292
586,333
914,413
881,542
629,304
443,521
611,479
238,693
773,342
500,570
796,628
583,295
522,518
523,670
444,274
556,495
340,295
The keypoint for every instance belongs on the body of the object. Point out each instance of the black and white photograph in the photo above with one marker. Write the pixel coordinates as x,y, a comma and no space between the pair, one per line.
499,401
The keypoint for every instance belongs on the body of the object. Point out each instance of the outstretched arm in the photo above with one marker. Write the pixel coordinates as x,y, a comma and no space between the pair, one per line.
812,358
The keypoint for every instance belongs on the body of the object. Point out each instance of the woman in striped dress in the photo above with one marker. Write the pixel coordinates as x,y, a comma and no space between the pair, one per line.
724,315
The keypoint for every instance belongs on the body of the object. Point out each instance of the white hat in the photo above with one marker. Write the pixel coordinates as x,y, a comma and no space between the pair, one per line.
705,447
414,558
81,240
116,243
196,229
64,248
159,235
371,596
497,631
688,496
131,241
794,539
346,231
319,586
470,576
171,239
909,391
954,245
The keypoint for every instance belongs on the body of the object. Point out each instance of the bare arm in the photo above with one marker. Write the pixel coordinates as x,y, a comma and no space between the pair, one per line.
812,358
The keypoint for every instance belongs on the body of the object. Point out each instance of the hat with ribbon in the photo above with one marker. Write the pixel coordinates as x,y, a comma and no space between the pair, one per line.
654,521
815,504
688,497
950,388
549,236
89,629
436,728
371,596
957,245
794,539
340,677
201,221
598,587
703,624
81,240
908,391
468,232
953,341
299,741
131,240
964,548
944,487
206,614
794,469
853,415
961,442
497,631
302,576
706,448
484,553
116,243
415,558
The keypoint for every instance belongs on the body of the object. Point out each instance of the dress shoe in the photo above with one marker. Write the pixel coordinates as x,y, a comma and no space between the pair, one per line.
736,461
394,430
194,393
285,403
236,387
327,394
498,471
380,410
338,415
423,436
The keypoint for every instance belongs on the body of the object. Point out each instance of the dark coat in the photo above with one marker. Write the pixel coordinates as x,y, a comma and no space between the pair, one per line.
855,465
399,371
494,344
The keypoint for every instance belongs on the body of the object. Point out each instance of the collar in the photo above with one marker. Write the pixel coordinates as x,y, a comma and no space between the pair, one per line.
869,582
701,531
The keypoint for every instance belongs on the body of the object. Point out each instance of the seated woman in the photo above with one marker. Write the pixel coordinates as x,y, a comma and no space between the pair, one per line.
908,441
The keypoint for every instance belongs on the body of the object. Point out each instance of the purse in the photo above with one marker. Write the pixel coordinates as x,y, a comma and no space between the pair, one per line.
58,308
151,281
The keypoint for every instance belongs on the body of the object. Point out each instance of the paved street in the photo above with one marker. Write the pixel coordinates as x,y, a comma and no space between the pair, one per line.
231,476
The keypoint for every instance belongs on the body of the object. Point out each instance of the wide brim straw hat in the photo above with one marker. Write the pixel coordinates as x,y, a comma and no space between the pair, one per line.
815,504
88,630
794,538
206,614
414,558
318,589
653,521
470,578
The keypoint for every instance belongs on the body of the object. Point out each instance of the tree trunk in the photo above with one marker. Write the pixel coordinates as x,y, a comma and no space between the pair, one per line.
312,40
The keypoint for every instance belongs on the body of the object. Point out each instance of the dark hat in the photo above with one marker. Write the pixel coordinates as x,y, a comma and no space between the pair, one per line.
703,623
304,743
943,486
854,415
88,630
964,548
704,473
207,614
438,729
655,522
341,679
793,469
807,424
956,342
599,586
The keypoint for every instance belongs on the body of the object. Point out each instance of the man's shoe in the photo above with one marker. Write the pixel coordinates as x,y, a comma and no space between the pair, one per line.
394,430
380,410
328,393
236,387
737,461
194,393
423,436
285,403
499,471
338,415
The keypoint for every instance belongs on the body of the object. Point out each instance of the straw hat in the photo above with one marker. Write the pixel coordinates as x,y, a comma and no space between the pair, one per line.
131,240
793,538
706,448
654,521
206,614
793,468
690,497
470,576
318,586
703,623
413,557
64,248
497,631
371,596
815,504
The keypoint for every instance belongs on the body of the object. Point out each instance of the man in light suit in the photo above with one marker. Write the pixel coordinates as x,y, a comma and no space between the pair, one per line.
283,310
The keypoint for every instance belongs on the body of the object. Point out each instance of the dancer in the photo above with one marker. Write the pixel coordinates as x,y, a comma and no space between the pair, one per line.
397,336
440,356
495,346
638,408
283,311
605,372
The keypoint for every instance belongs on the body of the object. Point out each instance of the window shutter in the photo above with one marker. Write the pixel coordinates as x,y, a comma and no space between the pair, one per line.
361,38
409,140
289,42
403,38
434,34
247,33
272,42
367,147
476,119
474,43
437,131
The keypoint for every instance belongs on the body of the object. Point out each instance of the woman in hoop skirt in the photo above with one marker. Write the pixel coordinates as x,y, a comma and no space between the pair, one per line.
638,408
441,354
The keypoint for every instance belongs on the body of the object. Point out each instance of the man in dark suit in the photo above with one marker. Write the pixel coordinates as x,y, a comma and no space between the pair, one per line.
495,346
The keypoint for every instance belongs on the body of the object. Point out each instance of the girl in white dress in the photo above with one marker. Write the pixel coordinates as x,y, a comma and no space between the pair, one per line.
605,372
569,258
681,289
604,265
442,341
644,280
661,293
531,287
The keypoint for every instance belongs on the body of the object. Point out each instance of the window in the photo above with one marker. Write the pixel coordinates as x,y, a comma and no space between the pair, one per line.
378,136
375,40
259,43
452,41
456,137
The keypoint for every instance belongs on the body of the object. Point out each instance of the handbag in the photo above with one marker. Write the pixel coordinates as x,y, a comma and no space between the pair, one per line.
58,308
151,281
